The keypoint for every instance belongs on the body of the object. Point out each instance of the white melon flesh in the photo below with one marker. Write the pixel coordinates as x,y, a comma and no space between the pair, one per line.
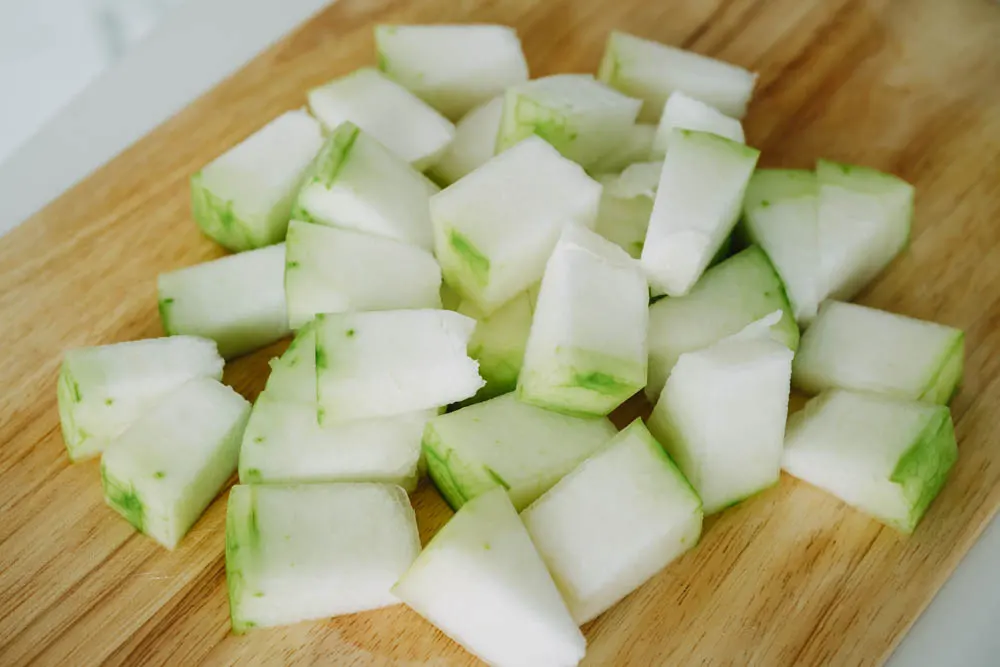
357,183
238,301
283,443
731,295
504,442
498,342
302,552
451,67
103,389
780,215
626,204
864,222
584,119
619,518
165,469
474,142
864,349
397,118
243,198
586,353
698,201
293,374
392,362
495,228
651,71
333,270
482,583
721,415
634,146
684,112
885,456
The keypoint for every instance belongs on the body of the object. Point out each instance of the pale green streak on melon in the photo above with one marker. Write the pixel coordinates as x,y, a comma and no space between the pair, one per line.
218,220
923,469
948,376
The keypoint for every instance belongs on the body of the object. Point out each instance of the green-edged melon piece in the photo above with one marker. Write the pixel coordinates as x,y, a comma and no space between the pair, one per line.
619,518
474,143
103,389
244,197
863,349
165,469
586,352
504,442
684,112
293,374
626,204
481,582
634,146
495,228
299,552
885,456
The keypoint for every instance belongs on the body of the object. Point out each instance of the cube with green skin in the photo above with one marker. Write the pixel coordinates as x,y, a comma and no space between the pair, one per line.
626,204
864,222
685,112
474,143
293,374
746,378
495,228
864,349
330,270
103,389
498,342
583,119
731,295
586,353
619,518
298,552
650,71
238,301
698,201
357,183
481,582
244,197
391,362
780,215
504,442
634,146
885,456
451,67
283,443
394,116
165,469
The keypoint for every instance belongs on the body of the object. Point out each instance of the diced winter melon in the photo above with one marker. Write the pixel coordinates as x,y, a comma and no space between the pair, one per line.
400,120
780,215
482,583
293,374
698,201
731,295
103,389
650,71
301,552
619,518
283,443
450,299
332,270
634,146
864,349
474,143
582,118
626,204
864,222
721,415
687,113
243,198
238,301
451,67
392,362
357,183
885,456
165,469
498,342
495,228
504,442
586,353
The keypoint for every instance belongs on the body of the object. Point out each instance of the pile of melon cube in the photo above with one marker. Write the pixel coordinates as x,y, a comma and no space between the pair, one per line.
472,300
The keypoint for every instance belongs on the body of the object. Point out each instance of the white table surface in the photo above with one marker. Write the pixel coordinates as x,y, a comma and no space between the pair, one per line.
957,630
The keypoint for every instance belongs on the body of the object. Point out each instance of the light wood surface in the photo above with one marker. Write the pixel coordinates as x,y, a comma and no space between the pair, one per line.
791,577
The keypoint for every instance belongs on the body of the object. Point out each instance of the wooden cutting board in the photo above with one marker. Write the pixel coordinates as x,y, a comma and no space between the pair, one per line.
789,577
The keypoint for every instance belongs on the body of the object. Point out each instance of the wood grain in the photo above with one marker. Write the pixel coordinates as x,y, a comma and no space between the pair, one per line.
791,577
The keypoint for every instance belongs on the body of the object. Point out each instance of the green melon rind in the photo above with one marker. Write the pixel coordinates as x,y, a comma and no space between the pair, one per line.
441,464
581,383
325,167
922,471
242,538
947,377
